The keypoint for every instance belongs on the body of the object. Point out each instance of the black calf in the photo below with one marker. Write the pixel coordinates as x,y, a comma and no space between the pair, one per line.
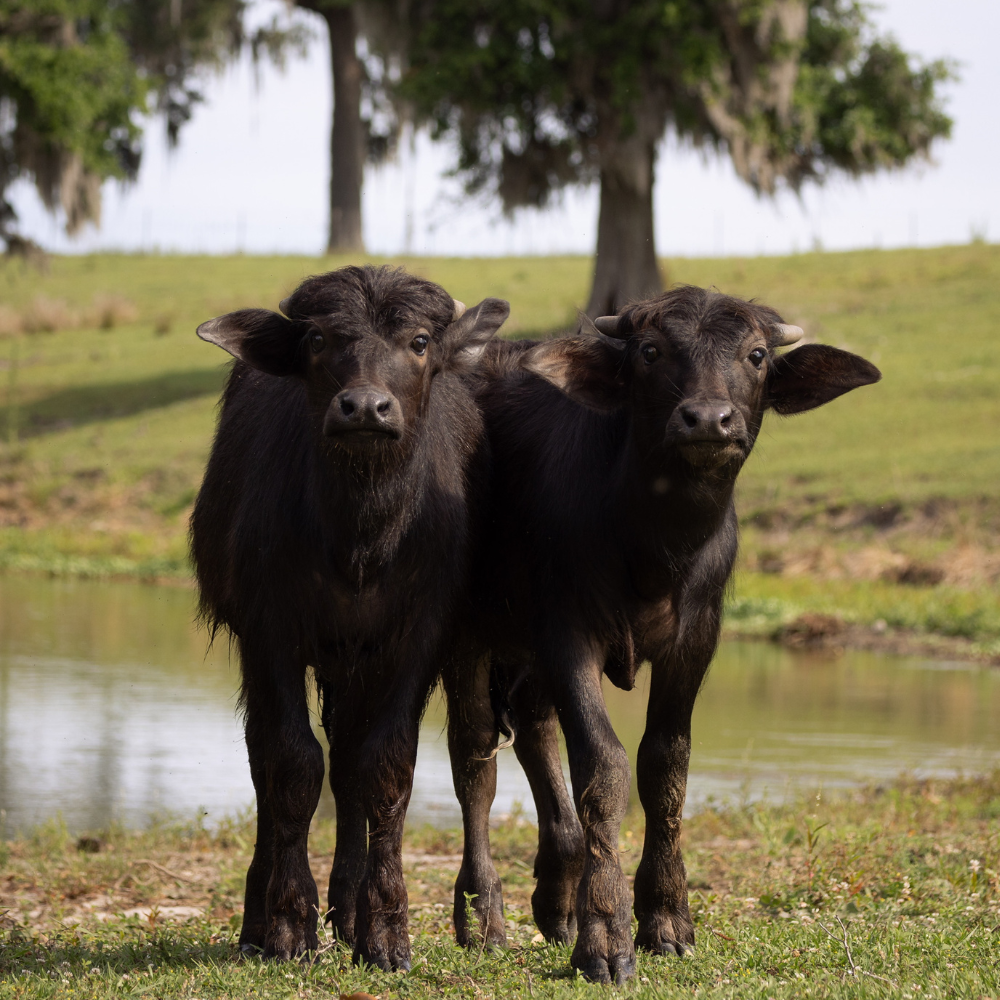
331,533
611,539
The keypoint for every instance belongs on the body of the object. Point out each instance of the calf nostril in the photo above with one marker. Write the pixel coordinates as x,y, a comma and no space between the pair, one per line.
690,418
346,406
382,407
725,416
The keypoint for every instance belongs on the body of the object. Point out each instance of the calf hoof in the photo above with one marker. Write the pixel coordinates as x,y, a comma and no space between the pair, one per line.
487,926
610,968
342,928
252,940
394,958
604,951
665,935
384,946
286,941
556,923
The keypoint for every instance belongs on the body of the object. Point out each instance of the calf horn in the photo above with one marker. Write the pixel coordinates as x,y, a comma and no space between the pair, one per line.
459,309
787,334
608,325
283,305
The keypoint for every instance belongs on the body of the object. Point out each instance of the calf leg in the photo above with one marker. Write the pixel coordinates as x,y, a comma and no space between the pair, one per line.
254,928
387,763
661,899
287,770
599,768
345,731
559,861
472,739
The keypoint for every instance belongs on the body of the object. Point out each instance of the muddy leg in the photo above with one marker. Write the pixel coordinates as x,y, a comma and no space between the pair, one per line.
559,862
287,769
472,739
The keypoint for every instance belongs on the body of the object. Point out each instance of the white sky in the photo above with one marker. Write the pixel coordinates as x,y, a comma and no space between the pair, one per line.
251,174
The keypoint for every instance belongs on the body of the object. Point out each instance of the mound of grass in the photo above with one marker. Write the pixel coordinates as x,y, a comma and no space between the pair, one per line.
890,891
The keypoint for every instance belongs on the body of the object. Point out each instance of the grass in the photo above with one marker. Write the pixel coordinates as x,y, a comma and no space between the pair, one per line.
115,410
890,891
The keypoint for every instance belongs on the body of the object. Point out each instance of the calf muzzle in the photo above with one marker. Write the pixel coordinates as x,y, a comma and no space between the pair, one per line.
364,415
708,432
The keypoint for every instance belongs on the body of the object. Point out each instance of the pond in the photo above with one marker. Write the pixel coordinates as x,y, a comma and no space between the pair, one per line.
113,709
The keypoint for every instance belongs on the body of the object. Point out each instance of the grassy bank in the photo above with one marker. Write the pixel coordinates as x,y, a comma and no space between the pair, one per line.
887,496
889,892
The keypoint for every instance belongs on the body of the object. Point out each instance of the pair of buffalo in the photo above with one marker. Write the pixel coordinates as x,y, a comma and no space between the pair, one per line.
395,497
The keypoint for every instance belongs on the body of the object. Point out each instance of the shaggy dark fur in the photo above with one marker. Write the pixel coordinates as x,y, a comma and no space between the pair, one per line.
331,532
612,535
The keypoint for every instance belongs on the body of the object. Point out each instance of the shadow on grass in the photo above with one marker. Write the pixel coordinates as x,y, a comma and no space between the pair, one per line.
88,404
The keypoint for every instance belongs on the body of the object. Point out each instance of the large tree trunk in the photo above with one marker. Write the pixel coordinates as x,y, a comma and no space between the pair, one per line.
625,268
347,137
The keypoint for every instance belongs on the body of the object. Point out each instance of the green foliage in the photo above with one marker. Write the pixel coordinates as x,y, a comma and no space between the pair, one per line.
539,91
68,96
175,43
75,75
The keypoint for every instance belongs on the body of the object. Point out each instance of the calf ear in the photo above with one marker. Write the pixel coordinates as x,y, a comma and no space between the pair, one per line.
263,339
813,375
466,338
590,370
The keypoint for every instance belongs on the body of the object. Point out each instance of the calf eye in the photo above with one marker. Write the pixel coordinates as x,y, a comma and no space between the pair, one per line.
419,343
316,342
649,353
757,356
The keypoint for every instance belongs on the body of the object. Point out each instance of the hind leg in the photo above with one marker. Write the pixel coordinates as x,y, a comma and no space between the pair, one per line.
472,739
559,861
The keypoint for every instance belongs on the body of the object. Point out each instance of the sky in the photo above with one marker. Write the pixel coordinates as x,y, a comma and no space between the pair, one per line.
251,172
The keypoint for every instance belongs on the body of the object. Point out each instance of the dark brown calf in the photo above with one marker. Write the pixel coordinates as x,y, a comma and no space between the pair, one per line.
331,534
610,540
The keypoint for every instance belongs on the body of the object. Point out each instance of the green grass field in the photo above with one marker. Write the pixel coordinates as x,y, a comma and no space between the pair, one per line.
890,892
892,488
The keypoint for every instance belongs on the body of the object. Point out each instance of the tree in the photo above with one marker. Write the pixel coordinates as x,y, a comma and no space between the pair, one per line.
368,42
69,95
75,75
545,93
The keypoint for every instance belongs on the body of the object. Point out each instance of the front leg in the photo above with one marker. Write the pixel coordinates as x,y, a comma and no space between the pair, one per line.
286,764
345,720
661,897
599,767
387,761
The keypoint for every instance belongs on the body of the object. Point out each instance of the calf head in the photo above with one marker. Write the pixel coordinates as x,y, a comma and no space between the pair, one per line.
367,342
698,370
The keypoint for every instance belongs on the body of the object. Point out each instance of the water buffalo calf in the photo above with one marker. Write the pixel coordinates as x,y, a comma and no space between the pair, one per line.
611,539
331,533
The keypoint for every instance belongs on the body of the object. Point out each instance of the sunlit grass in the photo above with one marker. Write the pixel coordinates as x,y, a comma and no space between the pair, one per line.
116,414
889,891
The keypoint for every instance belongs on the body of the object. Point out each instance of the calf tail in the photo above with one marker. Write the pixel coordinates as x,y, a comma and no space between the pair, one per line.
500,688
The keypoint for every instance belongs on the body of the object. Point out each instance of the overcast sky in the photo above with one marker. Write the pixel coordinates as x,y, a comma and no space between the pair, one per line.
251,174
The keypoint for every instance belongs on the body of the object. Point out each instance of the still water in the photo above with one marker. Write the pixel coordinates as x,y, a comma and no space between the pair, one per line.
112,708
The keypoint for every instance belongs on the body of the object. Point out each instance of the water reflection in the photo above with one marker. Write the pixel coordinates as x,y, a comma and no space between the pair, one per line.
110,708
